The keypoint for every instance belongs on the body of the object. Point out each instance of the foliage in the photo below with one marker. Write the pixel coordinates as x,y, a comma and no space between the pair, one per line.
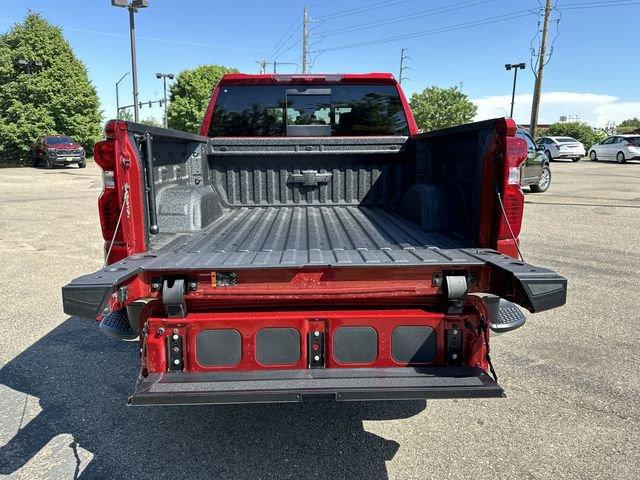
151,121
125,114
629,125
579,130
436,108
56,97
190,96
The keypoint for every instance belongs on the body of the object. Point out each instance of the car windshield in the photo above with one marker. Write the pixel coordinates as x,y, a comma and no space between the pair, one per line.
566,140
281,110
58,140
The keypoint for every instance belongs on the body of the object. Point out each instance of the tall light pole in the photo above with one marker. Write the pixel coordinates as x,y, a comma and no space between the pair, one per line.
164,77
133,7
515,67
118,96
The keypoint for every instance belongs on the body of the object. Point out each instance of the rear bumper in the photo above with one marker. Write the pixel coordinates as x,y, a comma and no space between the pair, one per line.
342,384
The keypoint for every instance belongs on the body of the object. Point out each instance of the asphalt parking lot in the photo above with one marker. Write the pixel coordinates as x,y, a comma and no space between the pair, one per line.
571,375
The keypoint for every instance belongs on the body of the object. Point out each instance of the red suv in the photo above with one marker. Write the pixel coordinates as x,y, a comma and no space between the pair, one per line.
57,150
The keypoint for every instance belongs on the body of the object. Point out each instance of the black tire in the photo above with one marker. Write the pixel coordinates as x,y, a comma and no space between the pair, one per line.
35,163
548,154
82,164
544,182
577,159
620,158
47,163
593,156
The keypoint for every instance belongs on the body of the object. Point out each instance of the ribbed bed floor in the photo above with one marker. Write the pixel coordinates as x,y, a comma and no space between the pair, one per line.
280,236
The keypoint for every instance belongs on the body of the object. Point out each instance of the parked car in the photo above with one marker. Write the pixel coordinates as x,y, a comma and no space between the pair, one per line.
279,258
57,150
562,147
535,171
617,147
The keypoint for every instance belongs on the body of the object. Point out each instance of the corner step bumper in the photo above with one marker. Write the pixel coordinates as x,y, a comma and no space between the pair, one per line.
343,384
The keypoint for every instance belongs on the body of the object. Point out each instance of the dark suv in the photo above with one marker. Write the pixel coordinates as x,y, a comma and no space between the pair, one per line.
57,150
535,172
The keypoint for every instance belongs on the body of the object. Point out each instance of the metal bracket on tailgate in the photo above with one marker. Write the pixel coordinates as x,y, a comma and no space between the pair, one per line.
173,298
456,288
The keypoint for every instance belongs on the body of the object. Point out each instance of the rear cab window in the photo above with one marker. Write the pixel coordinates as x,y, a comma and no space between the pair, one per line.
304,110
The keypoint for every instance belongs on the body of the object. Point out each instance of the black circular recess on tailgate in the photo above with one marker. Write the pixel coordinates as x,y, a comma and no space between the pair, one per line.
413,344
219,348
355,344
278,346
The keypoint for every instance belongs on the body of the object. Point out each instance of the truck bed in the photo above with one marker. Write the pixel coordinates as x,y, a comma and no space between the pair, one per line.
327,235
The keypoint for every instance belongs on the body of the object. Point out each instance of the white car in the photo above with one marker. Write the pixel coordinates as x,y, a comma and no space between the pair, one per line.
562,147
618,147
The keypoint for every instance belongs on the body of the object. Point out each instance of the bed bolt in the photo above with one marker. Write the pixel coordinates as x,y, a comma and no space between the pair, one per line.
175,336
193,285
317,358
156,286
454,356
316,333
176,362
160,331
176,349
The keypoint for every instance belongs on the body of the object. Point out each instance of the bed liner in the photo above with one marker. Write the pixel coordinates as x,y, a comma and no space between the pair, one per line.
301,235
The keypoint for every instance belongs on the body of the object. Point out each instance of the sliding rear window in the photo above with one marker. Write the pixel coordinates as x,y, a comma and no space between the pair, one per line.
303,110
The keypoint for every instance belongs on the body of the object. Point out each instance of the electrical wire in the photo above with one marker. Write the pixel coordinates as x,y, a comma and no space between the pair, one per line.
282,40
407,17
424,33
353,11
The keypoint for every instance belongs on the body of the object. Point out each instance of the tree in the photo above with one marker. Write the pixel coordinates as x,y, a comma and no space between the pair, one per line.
629,125
190,96
579,130
436,108
151,121
125,114
49,93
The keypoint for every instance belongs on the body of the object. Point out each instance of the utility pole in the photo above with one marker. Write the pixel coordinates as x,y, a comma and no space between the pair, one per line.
263,65
164,77
403,57
305,39
535,107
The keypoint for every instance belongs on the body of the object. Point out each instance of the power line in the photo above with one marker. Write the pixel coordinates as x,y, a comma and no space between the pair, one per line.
402,18
424,33
282,38
353,11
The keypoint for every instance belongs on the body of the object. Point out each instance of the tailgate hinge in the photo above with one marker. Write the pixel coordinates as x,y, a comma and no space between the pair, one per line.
455,288
175,305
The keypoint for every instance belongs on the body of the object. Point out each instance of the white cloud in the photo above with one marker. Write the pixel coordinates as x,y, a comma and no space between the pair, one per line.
593,108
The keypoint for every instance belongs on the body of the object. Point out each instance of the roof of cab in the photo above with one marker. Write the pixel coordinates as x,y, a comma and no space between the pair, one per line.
274,79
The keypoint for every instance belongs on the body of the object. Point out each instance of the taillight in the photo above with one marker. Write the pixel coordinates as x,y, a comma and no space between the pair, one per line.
512,197
104,153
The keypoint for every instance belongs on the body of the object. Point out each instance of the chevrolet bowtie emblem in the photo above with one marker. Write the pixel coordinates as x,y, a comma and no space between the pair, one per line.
309,178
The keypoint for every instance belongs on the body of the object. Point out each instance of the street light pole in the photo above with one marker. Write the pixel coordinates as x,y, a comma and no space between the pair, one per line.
134,69
515,67
164,77
118,96
133,8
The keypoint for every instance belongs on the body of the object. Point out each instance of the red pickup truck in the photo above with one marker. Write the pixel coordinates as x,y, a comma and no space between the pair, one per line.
311,243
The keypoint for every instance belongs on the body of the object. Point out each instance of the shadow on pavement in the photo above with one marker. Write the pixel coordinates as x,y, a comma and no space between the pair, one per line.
83,379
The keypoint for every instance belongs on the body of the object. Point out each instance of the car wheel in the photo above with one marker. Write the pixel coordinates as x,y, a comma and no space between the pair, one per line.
82,164
544,182
34,161
548,154
620,158
47,163
593,156
577,159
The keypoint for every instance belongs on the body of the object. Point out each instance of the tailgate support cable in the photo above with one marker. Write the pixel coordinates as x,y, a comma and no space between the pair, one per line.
125,205
485,331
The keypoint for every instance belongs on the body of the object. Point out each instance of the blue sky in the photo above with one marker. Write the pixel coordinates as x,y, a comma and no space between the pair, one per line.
593,73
